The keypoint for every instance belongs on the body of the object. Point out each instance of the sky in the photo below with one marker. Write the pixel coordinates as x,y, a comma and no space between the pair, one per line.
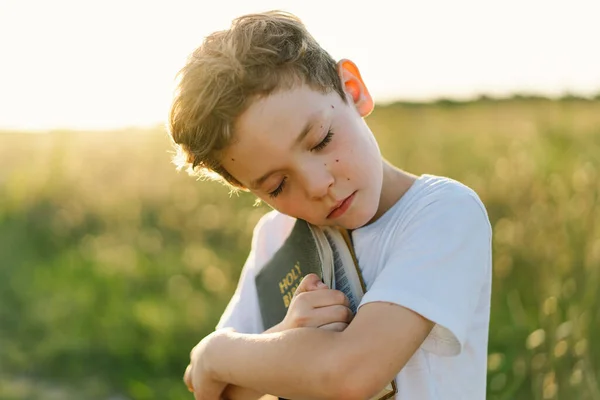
82,64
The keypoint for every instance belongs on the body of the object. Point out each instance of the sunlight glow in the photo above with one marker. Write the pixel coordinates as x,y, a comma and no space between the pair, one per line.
96,65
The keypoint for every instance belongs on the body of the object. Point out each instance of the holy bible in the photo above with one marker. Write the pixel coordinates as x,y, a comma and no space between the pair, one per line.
324,251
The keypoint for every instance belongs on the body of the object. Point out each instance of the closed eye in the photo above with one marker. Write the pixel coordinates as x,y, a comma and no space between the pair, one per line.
324,142
279,189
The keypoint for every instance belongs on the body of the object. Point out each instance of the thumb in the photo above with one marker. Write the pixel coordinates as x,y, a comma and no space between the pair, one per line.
310,282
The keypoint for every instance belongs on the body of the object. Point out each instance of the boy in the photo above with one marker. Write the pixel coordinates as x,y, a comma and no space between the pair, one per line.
264,108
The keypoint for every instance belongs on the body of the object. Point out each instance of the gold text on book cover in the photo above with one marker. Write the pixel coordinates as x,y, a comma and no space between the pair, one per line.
289,284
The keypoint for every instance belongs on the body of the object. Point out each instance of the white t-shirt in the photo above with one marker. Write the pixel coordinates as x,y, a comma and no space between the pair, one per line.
431,253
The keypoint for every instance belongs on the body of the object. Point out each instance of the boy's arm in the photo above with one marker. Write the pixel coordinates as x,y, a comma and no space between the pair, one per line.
234,392
313,363
313,305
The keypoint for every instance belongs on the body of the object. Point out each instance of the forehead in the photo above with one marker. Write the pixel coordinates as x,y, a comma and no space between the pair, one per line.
274,121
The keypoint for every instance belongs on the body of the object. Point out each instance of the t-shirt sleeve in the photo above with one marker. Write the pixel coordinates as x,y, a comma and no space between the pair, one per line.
439,266
243,312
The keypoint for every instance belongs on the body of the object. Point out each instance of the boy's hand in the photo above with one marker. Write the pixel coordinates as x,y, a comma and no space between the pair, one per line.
315,305
198,377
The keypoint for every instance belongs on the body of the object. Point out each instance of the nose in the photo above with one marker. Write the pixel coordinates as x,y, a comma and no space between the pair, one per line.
318,181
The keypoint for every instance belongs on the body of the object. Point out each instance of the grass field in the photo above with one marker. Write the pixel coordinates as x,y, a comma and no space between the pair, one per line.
113,265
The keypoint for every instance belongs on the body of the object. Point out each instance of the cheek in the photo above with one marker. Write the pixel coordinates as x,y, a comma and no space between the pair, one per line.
288,205
295,209
348,147
356,160
353,140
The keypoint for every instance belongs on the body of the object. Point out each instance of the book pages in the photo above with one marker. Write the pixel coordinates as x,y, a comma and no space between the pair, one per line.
347,278
325,255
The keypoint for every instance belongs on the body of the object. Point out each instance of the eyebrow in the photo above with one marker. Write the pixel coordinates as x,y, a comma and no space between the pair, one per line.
255,184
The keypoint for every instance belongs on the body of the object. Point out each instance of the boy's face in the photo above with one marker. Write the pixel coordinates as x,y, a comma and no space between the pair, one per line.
310,155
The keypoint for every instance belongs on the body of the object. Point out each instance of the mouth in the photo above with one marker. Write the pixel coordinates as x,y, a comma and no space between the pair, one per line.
341,207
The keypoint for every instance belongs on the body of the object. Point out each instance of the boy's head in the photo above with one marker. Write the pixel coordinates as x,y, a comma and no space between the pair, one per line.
262,107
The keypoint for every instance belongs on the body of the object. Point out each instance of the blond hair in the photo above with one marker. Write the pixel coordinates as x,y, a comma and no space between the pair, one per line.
258,55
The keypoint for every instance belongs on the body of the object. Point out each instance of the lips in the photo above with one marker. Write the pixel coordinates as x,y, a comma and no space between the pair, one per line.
341,207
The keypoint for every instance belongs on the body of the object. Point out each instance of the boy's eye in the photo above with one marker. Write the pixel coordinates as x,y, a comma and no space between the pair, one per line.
324,142
279,189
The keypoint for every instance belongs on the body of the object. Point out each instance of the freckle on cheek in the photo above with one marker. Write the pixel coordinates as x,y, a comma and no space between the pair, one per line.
332,106
337,160
348,179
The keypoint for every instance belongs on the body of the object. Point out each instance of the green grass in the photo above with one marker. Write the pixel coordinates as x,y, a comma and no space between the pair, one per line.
113,265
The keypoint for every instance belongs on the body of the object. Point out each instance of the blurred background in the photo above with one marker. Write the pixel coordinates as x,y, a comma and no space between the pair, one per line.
113,265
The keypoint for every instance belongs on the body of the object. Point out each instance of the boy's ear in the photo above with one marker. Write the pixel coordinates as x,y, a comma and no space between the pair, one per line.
355,87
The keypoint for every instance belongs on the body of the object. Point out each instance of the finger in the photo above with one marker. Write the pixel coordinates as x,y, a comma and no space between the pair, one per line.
336,313
327,315
308,283
198,394
334,326
323,298
211,392
187,378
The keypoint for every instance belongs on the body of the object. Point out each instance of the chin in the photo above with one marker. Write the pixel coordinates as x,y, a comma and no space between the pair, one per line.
358,220
365,214
358,216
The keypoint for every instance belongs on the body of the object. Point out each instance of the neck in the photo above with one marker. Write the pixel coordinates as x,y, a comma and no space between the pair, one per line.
395,183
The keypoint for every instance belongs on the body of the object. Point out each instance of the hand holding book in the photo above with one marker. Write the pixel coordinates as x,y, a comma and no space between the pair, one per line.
314,305
290,295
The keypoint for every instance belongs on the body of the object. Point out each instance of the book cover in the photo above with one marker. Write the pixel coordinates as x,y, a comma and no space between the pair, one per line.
301,254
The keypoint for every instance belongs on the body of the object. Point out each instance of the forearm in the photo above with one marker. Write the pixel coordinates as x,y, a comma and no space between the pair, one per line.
234,392
291,364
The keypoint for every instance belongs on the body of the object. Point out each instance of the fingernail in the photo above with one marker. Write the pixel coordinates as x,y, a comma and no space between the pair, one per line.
321,285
